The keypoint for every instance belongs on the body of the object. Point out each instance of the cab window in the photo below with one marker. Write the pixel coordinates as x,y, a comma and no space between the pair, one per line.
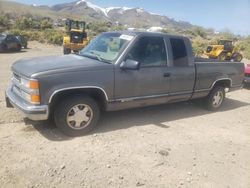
179,52
149,51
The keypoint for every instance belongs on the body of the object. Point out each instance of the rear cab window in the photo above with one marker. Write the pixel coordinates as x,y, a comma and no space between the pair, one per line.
179,52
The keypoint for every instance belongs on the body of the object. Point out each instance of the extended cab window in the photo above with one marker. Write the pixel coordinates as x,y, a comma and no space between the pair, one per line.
149,51
179,51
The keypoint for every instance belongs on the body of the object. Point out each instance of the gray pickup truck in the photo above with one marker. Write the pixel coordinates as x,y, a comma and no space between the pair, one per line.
117,70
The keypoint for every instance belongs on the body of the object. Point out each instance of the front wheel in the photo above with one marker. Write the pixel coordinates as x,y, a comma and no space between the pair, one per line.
66,51
77,116
215,98
222,56
4,48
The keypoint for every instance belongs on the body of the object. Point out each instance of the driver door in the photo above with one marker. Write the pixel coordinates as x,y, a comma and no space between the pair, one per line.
152,78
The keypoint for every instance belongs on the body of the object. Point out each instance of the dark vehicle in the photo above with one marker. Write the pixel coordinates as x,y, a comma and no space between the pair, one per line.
23,41
117,70
9,43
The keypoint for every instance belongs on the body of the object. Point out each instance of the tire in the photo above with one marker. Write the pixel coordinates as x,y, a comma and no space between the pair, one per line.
19,47
216,98
66,51
246,85
237,58
77,116
4,48
222,56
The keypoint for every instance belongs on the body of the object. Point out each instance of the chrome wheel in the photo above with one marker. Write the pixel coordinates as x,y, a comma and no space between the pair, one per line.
217,99
79,116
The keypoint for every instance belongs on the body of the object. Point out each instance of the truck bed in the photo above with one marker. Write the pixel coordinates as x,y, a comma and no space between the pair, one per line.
208,71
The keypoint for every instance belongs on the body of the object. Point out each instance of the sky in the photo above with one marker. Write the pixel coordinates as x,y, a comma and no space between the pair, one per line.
222,15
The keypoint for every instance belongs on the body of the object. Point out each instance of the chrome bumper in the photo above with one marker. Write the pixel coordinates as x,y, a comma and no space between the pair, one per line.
33,112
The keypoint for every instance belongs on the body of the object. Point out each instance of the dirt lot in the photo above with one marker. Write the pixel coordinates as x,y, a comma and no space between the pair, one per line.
177,145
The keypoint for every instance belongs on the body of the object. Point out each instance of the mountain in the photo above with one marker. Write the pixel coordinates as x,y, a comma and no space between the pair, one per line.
134,17
85,10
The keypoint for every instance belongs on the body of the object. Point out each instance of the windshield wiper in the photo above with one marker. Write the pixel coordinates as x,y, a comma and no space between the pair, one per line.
97,57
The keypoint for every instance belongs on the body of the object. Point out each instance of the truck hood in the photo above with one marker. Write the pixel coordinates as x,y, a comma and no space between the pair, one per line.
56,64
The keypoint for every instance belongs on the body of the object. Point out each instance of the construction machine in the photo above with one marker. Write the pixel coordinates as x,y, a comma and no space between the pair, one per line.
76,37
224,50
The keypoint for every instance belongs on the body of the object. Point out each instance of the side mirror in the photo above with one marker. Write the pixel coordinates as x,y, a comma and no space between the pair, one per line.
130,65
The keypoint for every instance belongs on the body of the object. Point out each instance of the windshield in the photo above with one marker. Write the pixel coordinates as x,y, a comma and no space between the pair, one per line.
224,42
107,47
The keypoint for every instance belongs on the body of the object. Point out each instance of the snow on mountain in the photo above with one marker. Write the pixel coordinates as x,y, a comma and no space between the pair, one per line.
106,11
117,8
93,6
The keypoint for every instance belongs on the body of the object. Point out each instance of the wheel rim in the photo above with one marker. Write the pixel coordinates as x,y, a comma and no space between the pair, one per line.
223,57
238,58
79,116
217,99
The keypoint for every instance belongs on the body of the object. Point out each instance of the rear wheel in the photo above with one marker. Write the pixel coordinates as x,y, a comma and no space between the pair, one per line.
66,50
222,56
77,116
237,57
215,98
19,47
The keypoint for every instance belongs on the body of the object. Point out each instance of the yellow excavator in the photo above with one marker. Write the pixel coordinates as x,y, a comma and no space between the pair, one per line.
76,37
224,50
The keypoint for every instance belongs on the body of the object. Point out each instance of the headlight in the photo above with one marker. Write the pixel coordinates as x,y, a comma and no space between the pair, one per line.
27,89
30,84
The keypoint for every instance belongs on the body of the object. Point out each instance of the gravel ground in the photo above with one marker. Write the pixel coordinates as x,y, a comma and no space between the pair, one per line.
177,145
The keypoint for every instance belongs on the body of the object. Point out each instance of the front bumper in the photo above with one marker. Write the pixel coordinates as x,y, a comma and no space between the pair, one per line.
247,80
74,46
33,112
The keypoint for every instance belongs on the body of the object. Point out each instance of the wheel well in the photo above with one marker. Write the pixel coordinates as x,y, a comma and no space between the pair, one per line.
95,93
224,83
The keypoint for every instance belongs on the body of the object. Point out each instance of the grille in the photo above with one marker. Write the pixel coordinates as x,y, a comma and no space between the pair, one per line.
16,80
247,74
209,49
76,37
17,77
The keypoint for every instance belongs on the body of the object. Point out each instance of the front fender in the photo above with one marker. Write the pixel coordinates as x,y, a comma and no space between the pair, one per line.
99,79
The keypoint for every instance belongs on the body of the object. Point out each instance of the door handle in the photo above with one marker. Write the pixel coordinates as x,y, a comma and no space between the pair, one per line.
166,75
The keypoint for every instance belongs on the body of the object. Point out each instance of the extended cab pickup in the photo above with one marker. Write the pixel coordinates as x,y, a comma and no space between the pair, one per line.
117,70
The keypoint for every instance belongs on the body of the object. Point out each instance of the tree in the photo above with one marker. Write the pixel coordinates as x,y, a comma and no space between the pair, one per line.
4,21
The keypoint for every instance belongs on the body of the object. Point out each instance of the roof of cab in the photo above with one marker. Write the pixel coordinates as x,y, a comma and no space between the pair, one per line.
137,33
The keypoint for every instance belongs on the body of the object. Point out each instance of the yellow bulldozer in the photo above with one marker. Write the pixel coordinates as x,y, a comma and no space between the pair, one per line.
76,37
224,51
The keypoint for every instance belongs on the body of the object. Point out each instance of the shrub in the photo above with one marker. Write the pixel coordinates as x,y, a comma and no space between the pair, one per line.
53,36
244,46
199,45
